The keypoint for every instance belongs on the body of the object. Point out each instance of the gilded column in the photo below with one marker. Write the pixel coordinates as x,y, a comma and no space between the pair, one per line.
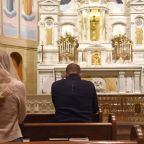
27,7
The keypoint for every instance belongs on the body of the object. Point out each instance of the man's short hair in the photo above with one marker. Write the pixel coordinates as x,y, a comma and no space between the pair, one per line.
73,68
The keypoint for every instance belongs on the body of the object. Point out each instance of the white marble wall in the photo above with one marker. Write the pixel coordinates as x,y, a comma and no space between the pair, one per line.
130,78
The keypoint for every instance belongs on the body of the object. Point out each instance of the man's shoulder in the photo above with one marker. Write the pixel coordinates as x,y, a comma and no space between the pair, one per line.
58,82
87,82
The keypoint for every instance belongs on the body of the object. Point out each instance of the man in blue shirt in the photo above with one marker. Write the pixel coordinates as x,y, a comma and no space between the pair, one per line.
75,100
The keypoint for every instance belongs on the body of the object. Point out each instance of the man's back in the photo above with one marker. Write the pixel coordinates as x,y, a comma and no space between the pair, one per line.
74,99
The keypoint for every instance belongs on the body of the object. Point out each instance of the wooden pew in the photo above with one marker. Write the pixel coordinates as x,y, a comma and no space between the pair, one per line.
94,131
137,134
39,118
77,142
45,118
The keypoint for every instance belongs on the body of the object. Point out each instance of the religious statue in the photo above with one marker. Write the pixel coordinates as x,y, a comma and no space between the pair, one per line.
139,34
94,31
96,60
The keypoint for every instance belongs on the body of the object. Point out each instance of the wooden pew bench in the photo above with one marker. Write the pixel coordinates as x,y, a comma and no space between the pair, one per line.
93,131
39,118
78,142
46,118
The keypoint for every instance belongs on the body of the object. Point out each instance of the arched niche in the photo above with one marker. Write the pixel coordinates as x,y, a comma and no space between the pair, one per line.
139,31
49,30
118,29
17,60
68,28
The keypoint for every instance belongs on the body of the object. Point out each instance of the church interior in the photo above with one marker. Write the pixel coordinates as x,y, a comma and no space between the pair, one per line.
105,37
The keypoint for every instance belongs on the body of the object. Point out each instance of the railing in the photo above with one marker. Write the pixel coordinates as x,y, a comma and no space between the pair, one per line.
127,107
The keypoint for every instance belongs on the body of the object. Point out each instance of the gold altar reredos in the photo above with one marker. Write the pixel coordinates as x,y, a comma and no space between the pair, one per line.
109,37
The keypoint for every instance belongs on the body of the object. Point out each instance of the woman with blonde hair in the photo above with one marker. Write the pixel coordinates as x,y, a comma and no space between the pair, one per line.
12,100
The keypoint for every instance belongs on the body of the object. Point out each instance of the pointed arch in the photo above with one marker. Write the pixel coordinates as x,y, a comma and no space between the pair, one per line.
17,60
118,28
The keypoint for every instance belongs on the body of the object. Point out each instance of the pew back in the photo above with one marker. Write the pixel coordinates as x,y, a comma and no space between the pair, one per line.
46,118
77,142
93,131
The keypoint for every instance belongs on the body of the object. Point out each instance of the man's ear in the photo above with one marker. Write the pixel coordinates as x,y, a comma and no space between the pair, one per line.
66,75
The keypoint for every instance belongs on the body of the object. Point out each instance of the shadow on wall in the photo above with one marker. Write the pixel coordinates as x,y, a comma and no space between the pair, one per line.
17,60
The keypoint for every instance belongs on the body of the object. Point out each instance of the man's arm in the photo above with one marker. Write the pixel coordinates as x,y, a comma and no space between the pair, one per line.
52,94
95,100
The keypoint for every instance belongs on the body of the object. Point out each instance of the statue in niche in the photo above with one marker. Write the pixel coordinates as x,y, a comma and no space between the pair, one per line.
139,30
139,35
94,29
96,59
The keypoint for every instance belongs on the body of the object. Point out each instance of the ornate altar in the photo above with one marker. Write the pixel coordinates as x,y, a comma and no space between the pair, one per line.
115,64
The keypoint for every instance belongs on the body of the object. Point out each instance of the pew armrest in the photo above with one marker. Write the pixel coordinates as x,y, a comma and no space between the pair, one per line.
112,119
137,134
